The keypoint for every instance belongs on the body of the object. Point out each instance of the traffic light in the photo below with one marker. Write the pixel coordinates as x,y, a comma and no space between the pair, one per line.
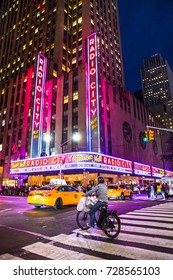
145,136
151,135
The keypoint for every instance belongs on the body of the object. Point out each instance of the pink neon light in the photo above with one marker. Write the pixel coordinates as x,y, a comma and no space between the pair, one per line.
39,89
92,71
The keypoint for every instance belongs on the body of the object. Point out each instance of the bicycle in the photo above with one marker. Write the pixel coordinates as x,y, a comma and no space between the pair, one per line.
107,220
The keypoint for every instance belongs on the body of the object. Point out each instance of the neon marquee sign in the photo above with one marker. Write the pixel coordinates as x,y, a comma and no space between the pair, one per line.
142,169
72,161
93,96
157,172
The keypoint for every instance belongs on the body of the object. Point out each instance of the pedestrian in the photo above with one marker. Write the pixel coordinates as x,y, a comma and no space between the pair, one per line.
163,192
155,190
152,192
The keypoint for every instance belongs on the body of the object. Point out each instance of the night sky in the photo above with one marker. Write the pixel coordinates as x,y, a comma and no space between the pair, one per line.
146,29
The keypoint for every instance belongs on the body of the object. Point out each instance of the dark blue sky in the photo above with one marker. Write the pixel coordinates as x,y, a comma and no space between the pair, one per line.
146,28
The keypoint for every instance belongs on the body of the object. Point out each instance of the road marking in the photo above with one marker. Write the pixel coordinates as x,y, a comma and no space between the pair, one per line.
143,217
4,210
146,223
112,248
156,241
57,253
148,214
9,257
26,231
155,232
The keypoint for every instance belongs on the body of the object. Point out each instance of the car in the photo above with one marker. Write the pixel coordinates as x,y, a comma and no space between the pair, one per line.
119,191
55,196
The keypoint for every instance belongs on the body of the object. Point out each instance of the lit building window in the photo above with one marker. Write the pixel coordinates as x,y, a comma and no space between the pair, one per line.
55,73
74,61
65,99
75,95
80,20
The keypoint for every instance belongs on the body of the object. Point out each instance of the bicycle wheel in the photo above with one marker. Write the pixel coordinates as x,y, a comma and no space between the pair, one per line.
82,218
111,225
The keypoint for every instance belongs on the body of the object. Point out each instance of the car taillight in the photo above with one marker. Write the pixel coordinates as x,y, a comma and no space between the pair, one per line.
46,194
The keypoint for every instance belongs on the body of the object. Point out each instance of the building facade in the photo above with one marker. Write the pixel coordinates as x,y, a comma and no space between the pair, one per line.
61,72
157,87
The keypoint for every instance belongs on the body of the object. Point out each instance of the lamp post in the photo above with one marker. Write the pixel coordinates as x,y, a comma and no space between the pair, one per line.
47,139
75,137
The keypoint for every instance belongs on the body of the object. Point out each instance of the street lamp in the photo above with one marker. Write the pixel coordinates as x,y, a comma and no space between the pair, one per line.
75,137
47,139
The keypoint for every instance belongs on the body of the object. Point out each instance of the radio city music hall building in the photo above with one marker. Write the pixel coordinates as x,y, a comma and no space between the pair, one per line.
71,81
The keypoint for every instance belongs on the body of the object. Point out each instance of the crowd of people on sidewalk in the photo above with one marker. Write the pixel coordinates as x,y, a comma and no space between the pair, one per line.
164,191
15,190
24,190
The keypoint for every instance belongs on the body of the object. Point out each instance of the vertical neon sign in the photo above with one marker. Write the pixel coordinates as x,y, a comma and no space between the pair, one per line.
93,121
37,124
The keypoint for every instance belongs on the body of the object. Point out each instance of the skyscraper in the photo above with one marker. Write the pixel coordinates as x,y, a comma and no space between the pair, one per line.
61,72
58,30
157,86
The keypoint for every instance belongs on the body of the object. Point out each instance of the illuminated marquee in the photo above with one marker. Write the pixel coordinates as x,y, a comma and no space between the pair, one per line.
168,173
72,161
92,89
142,169
36,136
157,172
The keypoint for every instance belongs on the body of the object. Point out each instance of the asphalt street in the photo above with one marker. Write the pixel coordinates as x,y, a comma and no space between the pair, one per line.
29,233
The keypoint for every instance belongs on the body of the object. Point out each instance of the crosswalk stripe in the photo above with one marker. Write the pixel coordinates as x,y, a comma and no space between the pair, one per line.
156,211
161,242
57,253
112,248
9,257
147,214
143,217
155,232
146,223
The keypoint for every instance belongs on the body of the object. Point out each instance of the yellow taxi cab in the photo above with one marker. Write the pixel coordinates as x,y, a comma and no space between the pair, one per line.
55,196
119,191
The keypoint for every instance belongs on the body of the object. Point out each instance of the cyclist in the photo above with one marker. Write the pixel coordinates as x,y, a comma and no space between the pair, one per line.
101,192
